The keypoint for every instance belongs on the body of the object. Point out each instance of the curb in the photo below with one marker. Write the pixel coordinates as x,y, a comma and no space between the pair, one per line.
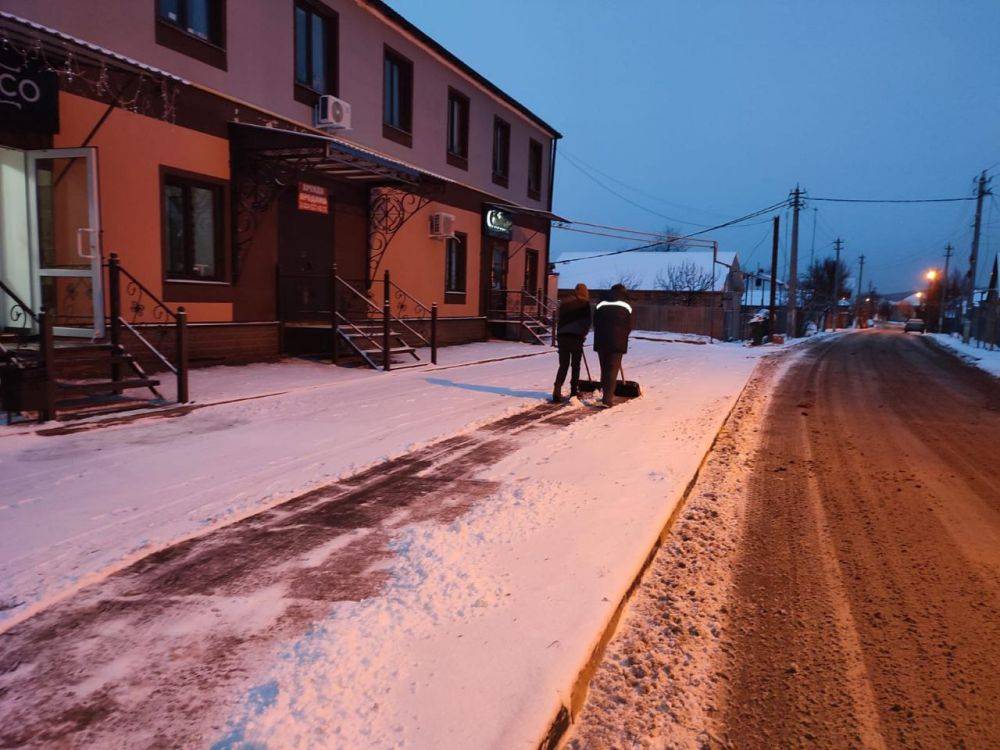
581,684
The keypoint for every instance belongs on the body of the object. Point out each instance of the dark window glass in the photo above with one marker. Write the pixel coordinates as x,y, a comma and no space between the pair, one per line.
454,279
397,92
534,169
501,148
498,267
458,124
314,53
201,18
193,215
531,271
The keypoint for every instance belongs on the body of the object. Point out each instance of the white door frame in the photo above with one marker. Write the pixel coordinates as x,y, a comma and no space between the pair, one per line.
88,238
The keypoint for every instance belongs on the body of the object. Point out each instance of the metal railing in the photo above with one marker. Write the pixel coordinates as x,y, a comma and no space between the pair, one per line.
140,298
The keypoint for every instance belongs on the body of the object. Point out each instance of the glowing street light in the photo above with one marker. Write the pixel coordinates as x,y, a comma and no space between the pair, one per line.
931,275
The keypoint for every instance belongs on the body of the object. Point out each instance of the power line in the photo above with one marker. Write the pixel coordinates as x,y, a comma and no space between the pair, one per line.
752,215
566,152
893,200
588,175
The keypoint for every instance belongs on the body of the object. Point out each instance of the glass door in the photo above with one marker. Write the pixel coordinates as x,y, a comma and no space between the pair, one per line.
65,239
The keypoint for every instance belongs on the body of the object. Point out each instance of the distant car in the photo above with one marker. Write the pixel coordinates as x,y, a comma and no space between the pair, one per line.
915,324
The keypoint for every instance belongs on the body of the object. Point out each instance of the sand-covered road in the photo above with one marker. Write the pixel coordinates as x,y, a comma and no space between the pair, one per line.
835,579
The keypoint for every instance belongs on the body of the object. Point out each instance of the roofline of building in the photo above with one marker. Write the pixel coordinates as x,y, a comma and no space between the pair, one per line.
387,12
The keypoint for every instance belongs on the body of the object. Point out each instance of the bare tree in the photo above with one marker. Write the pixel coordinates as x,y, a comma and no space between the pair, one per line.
628,279
686,279
670,243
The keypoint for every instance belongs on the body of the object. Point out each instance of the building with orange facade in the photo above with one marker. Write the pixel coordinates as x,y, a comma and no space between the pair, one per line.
280,169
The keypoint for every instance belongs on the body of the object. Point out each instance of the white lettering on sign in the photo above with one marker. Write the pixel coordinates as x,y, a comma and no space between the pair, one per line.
23,89
498,221
313,198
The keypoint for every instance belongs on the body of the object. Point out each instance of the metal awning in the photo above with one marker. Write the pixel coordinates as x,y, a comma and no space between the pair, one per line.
324,155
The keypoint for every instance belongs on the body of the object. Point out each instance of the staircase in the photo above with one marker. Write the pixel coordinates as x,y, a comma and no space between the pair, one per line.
324,313
522,316
70,377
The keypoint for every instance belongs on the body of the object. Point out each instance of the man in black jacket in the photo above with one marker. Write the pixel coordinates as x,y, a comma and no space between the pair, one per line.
574,325
612,325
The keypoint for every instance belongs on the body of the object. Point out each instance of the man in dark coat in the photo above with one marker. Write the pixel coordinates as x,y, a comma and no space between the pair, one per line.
612,325
574,325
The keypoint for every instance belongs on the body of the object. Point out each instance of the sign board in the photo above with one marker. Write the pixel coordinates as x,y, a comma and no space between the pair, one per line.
498,223
313,198
29,95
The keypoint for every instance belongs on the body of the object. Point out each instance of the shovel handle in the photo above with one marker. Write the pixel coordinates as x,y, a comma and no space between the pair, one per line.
589,376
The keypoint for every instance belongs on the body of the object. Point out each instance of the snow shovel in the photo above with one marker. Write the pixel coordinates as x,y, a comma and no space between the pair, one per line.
590,385
626,388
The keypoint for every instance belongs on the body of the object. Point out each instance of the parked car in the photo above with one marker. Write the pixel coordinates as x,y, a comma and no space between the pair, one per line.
915,324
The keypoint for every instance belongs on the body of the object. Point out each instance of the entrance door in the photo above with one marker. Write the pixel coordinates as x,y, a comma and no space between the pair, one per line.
64,229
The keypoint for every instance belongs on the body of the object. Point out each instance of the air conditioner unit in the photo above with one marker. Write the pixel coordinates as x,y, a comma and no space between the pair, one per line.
332,114
442,226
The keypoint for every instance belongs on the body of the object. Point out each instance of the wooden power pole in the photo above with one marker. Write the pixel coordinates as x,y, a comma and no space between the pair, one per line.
944,287
793,265
857,294
970,285
774,274
836,283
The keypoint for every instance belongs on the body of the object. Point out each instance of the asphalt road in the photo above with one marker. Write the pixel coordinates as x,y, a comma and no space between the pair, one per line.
853,527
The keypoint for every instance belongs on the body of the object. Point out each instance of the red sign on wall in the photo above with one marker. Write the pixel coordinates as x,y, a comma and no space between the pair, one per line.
313,198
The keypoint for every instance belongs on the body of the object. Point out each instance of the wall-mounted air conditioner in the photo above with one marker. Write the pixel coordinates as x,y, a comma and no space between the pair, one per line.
442,226
332,114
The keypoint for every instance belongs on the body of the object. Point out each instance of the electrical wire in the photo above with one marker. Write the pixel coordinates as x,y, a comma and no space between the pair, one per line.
752,215
566,152
894,200
588,175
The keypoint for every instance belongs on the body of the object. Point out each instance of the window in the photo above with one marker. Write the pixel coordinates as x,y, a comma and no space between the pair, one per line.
531,271
501,151
315,52
534,169
454,268
397,103
193,228
196,28
458,129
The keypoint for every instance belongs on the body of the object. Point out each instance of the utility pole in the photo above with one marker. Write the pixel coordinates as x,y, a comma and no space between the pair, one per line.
857,296
793,265
836,283
812,247
774,274
944,287
981,192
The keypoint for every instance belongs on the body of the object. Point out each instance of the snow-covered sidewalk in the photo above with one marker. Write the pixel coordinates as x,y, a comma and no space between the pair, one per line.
480,624
981,357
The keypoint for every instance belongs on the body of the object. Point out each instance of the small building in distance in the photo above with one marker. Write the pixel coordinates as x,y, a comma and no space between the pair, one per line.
683,292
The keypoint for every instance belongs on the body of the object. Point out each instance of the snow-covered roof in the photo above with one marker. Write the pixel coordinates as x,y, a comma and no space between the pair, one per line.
641,269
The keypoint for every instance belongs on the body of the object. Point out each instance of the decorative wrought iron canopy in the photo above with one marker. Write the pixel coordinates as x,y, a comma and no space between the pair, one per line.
267,160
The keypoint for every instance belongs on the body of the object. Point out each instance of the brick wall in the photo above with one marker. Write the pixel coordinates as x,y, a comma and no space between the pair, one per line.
208,344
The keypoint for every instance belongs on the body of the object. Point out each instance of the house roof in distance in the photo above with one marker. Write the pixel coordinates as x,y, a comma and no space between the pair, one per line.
640,268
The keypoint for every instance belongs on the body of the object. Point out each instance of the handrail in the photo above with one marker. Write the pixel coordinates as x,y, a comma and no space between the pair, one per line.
156,352
18,303
160,303
179,321
379,310
410,297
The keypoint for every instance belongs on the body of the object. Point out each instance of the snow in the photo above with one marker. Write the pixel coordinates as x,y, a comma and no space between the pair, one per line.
642,268
483,623
983,358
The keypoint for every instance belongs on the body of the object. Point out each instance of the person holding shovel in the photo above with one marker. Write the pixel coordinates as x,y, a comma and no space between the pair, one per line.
612,325
574,325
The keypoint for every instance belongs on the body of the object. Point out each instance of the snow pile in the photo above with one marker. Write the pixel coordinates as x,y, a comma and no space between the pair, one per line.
985,359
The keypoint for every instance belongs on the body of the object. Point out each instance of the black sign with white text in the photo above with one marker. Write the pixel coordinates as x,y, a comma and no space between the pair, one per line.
29,95
498,223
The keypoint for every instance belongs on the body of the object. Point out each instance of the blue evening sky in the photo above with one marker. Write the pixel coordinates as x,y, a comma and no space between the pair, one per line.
704,111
